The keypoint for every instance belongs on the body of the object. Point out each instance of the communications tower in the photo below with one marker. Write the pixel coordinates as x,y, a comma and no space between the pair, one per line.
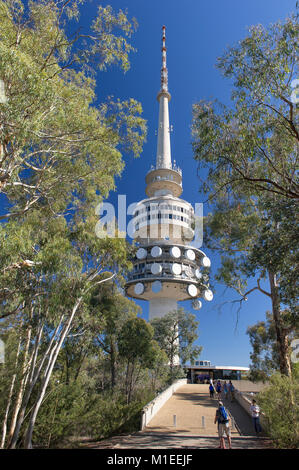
166,268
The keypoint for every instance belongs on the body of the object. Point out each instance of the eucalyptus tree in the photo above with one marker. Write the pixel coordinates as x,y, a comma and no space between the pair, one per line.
68,264
113,311
253,143
138,349
176,333
58,143
250,151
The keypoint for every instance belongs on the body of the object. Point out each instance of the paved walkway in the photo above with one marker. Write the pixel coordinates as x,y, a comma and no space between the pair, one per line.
145,440
189,404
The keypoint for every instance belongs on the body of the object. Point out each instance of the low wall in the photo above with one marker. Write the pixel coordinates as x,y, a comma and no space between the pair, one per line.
151,409
246,403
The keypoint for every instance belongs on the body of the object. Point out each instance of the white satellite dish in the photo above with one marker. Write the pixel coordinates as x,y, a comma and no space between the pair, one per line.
141,253
139,288
156,251
175,252
192,290
196,304
156,268
198,273
157,287
206,262
190,255
176,268
208,295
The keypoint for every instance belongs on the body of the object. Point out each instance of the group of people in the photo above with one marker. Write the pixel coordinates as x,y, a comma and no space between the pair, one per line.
222,418
227,388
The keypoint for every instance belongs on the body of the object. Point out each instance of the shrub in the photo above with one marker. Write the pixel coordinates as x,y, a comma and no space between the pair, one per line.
280,403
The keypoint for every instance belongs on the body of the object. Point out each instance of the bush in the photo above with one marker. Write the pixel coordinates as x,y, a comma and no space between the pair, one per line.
71,412
280,403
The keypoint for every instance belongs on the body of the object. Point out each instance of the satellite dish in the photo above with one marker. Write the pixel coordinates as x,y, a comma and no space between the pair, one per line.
206,262
190,255
208,295
176,268
196,304
175,252
156,268
139,288
141,253
156,287
156,251
192,290
198,273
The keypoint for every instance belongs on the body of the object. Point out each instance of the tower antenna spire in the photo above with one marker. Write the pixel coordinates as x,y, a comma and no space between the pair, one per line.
164,71
163,159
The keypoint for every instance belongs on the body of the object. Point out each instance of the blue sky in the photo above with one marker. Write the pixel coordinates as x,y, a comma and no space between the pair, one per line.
197,33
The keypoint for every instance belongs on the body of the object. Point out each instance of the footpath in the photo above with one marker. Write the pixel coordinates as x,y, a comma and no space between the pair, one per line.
187,421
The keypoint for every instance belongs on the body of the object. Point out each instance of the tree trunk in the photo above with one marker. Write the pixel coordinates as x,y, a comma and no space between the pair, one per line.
34,375
281,332
112,363
25,376
47,376
12,384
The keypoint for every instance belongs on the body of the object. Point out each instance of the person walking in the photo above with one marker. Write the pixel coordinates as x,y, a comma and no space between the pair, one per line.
231,391
225,389
222,420
212,390
255,413
218,389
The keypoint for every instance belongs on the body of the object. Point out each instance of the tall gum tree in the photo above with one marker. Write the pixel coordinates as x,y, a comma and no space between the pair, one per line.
56,139
250,152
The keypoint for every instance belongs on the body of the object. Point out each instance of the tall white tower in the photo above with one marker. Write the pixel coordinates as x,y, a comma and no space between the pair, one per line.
166,269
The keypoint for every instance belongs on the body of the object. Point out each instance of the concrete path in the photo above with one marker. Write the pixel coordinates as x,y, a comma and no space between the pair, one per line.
189,404
145,440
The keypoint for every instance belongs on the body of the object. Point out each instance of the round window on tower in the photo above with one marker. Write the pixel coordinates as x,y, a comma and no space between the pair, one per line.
156,268
156,287
192,290
176,269
139,288
208,295
141,253
156,251
206,262
190,255
196,304
175,252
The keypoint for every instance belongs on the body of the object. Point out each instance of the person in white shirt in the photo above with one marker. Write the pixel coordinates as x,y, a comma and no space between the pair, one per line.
255,413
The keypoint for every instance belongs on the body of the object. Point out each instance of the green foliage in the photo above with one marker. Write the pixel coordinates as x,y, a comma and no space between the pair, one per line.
176,333
250,150
135,341
74,411
264,356
253,144
280,403
58,145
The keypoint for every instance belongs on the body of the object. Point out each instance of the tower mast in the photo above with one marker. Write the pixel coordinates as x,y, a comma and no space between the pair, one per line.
163,159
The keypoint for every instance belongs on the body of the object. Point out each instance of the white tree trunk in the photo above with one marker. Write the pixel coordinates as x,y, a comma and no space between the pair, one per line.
12,384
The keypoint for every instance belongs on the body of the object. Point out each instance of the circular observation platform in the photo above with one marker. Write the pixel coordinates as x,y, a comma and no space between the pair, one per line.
171,271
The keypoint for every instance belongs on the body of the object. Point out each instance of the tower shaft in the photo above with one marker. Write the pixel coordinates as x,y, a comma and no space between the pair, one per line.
163,159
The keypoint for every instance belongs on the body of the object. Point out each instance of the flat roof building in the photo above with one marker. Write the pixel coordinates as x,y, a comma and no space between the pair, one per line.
202,371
